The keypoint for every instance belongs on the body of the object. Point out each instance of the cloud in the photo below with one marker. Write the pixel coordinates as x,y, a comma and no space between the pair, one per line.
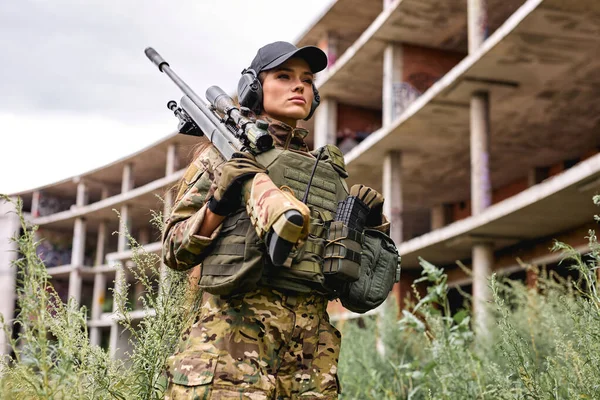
77,91
88,56
51,147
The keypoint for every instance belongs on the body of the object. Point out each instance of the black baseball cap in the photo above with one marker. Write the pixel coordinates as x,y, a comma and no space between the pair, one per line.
274,54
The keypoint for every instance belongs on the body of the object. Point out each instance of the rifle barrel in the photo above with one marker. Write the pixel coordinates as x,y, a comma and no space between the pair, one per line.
207,121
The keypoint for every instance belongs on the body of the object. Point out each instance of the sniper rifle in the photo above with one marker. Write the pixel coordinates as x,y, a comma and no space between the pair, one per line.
230,129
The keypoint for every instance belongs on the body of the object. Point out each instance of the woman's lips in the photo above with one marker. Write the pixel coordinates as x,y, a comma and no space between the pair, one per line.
298,100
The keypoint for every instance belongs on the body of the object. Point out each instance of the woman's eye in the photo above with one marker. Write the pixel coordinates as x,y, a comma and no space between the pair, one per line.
283,76
309,81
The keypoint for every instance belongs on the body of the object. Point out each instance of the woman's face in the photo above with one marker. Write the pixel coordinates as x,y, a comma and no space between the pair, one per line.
287,91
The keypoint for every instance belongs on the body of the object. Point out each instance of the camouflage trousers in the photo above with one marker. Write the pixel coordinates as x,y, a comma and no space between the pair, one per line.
264,345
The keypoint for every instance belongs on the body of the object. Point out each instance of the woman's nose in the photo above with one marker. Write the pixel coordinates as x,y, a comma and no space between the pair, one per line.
298,86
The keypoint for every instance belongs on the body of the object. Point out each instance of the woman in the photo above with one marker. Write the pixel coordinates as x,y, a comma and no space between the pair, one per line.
269,338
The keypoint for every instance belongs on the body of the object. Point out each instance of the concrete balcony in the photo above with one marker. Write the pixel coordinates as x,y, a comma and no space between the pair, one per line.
540,68
555,205
142,200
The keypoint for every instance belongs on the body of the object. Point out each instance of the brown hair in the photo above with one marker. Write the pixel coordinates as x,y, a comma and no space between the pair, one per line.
261,76
203,144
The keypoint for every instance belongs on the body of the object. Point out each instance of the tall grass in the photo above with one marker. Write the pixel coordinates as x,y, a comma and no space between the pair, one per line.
51,354
544,343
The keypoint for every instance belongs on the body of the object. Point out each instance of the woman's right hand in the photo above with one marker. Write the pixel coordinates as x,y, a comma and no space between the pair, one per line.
229,179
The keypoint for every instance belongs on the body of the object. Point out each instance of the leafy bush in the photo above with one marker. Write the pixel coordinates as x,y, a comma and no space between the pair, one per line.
544,343
52,357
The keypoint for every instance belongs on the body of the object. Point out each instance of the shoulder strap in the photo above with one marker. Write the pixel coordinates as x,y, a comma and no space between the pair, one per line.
334,156
267,158
208,159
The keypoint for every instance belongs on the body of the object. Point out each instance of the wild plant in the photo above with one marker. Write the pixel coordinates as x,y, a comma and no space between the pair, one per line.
52,357
543,343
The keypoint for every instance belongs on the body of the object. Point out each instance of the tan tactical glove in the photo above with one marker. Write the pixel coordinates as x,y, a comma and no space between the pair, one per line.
373,199
228,193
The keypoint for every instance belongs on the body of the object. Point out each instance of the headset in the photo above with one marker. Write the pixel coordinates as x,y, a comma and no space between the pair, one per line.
250,93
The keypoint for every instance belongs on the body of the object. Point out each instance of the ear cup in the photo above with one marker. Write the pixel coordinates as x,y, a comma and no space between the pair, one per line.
250,92
315,103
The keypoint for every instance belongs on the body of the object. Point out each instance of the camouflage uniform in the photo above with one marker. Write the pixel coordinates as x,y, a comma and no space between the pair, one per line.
265,344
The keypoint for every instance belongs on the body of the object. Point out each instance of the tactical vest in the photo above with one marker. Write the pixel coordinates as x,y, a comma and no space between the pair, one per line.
237,261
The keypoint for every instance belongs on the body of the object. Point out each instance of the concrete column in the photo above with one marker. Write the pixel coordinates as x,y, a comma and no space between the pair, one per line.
481,187
483,262
125,223
481,198
77,257
35,204
394,100
170,169
124,228
82,194
9,228
127,182
99,294
392,192
78,247
172,160
326,123
478,23
329,44
439,216
536,175
118,341
99,284
143,236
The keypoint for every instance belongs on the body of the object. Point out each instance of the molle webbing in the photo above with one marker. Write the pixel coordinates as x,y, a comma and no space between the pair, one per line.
234,226
238,254
322,193
315,248
220,269
293,170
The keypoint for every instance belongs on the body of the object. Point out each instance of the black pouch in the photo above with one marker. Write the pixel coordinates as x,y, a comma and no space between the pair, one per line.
379,270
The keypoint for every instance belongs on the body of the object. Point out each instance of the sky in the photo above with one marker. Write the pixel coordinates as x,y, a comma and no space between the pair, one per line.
77,91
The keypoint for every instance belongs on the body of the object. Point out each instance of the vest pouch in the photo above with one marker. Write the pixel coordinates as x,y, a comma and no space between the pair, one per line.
235,262
305,272
379,270
341,261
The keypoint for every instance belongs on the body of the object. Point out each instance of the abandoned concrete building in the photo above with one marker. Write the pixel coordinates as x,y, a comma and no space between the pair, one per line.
478,120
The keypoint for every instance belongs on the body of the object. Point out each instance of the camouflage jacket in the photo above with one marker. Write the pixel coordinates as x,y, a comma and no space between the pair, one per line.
182,246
